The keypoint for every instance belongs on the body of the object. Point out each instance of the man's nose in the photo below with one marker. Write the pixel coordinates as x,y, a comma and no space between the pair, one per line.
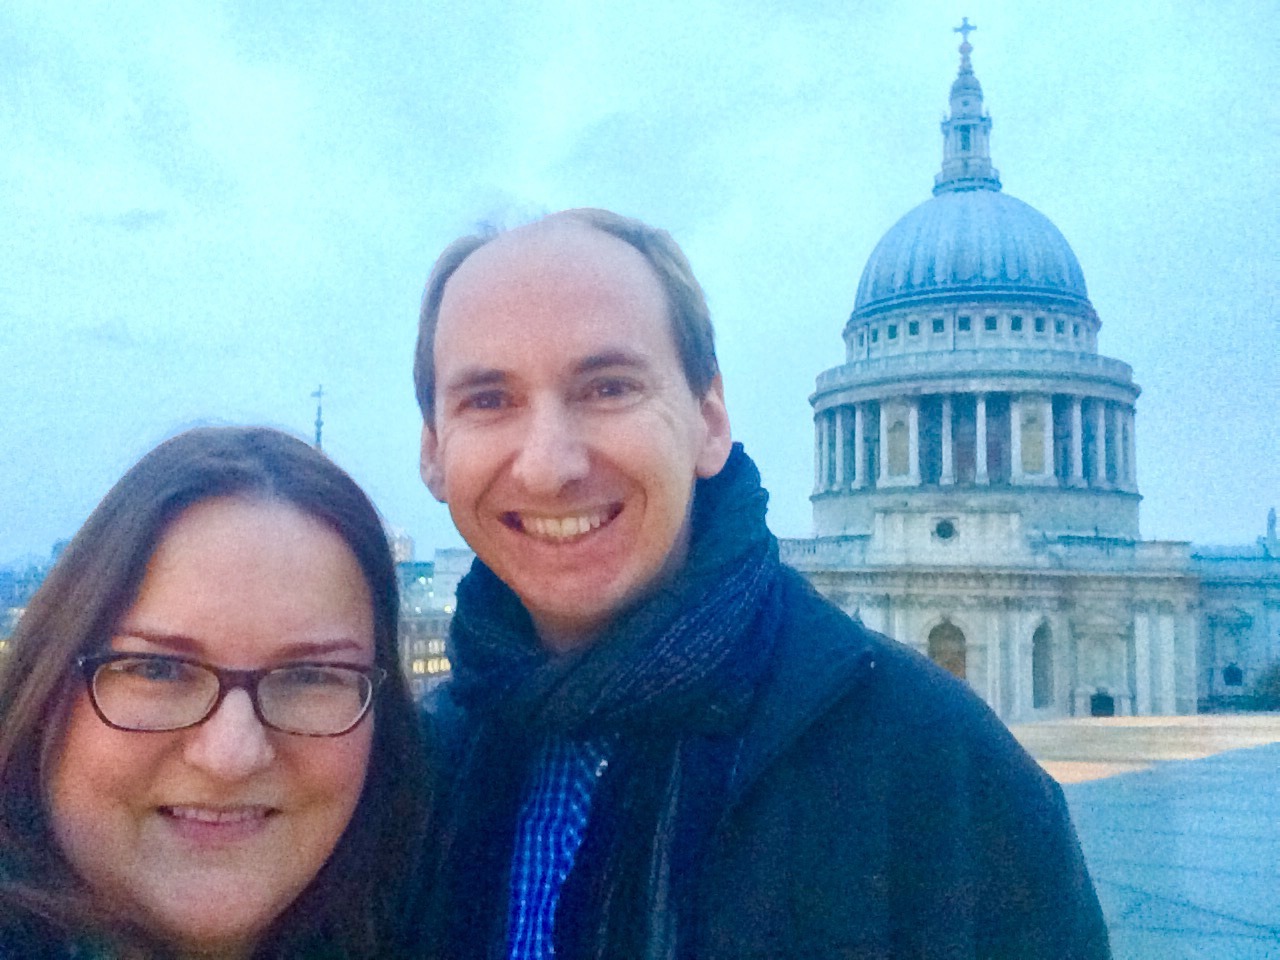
232,743
553,451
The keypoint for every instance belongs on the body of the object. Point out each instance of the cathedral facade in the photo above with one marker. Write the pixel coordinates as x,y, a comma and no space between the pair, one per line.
976,482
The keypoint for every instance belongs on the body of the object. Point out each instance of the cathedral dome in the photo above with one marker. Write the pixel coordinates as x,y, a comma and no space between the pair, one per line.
970,239
970,242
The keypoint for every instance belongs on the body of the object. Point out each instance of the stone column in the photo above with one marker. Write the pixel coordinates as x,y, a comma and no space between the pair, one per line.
913,442
1165,699
1077,444
818,432
948,454
859,446
839,450
884,444
1099,443
980,438
1015,439
1142,662
1132,458
1118,445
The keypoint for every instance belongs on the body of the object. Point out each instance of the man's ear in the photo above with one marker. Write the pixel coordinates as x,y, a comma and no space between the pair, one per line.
429,463
717,438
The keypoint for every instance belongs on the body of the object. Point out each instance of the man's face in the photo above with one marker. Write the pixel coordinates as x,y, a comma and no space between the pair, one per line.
566,438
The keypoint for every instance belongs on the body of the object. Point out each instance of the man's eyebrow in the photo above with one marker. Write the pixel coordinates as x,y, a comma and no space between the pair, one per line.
470,377
610,358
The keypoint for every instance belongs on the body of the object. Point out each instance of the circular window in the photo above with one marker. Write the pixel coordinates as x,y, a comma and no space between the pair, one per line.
945,530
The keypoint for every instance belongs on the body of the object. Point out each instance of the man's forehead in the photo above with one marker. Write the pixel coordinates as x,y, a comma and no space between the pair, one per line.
542,257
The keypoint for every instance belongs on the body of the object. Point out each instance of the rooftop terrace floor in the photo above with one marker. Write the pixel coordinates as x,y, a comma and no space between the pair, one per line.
1179,818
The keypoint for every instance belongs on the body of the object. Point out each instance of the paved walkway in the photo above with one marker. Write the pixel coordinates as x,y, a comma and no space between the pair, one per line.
1179,818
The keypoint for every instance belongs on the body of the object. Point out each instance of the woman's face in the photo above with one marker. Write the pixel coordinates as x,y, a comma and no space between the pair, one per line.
209,833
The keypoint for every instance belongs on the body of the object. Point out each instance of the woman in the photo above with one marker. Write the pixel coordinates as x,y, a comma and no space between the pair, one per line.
207,747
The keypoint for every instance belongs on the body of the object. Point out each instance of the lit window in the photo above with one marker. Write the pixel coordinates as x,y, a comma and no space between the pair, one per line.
989,323
939,325
419,666
1015,324
893,331
963,324
1039,324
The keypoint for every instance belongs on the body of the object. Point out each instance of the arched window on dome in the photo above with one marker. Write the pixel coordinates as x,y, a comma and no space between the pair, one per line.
899,452
1042,667
946,648
1032,439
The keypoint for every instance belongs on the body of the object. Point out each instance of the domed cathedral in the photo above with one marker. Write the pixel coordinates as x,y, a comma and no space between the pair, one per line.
976,489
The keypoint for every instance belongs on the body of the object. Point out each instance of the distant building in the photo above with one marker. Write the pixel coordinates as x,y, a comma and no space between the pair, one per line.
428,595
976,491
401,545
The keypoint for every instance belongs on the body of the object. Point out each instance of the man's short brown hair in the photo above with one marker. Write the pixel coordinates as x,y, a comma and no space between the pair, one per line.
690,319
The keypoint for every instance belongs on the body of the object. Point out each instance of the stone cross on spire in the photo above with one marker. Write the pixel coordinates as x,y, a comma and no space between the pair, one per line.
964,30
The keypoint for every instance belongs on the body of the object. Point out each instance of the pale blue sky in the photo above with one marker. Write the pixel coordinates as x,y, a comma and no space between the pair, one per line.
207,210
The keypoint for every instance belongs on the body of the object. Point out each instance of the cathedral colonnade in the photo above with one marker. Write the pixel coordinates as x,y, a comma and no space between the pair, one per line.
982,438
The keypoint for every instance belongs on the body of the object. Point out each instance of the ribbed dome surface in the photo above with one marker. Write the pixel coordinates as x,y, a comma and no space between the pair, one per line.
970,242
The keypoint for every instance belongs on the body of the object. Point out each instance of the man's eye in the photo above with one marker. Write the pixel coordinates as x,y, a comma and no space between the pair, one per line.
485,400
611,388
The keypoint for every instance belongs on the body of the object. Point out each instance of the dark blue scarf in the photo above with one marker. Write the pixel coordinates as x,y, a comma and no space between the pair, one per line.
672,678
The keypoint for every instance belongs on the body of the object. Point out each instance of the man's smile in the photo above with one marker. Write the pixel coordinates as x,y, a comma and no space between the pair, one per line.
562,528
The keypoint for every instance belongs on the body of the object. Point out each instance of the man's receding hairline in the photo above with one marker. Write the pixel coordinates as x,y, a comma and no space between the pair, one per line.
554,222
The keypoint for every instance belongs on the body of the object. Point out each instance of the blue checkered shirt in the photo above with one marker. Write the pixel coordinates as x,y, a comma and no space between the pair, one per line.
549,830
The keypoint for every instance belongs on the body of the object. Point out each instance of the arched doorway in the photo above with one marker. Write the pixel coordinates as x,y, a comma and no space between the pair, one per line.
946,648
1042,667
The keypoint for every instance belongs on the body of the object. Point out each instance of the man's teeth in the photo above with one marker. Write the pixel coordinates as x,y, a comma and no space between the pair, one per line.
562,528
207,815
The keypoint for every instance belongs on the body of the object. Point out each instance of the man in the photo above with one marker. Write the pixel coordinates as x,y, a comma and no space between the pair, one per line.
664,744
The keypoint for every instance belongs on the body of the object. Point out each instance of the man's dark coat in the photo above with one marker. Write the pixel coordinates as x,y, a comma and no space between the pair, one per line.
877,808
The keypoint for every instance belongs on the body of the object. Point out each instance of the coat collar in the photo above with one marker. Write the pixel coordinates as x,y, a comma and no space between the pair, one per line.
820,657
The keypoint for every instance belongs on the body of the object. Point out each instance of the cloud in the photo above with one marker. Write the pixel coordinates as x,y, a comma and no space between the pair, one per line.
130,221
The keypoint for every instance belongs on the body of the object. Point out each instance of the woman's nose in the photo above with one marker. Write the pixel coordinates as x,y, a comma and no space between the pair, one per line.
232,743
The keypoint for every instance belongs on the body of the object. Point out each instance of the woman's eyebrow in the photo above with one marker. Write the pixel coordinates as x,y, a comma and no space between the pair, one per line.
302,650
176,642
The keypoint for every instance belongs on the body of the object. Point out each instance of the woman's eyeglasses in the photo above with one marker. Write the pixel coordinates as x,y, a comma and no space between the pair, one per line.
150,692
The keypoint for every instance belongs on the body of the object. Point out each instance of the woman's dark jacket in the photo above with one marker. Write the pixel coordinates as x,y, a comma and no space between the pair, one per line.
875,808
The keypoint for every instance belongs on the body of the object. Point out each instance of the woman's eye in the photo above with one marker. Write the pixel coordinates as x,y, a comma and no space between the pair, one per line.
315,677
155,671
